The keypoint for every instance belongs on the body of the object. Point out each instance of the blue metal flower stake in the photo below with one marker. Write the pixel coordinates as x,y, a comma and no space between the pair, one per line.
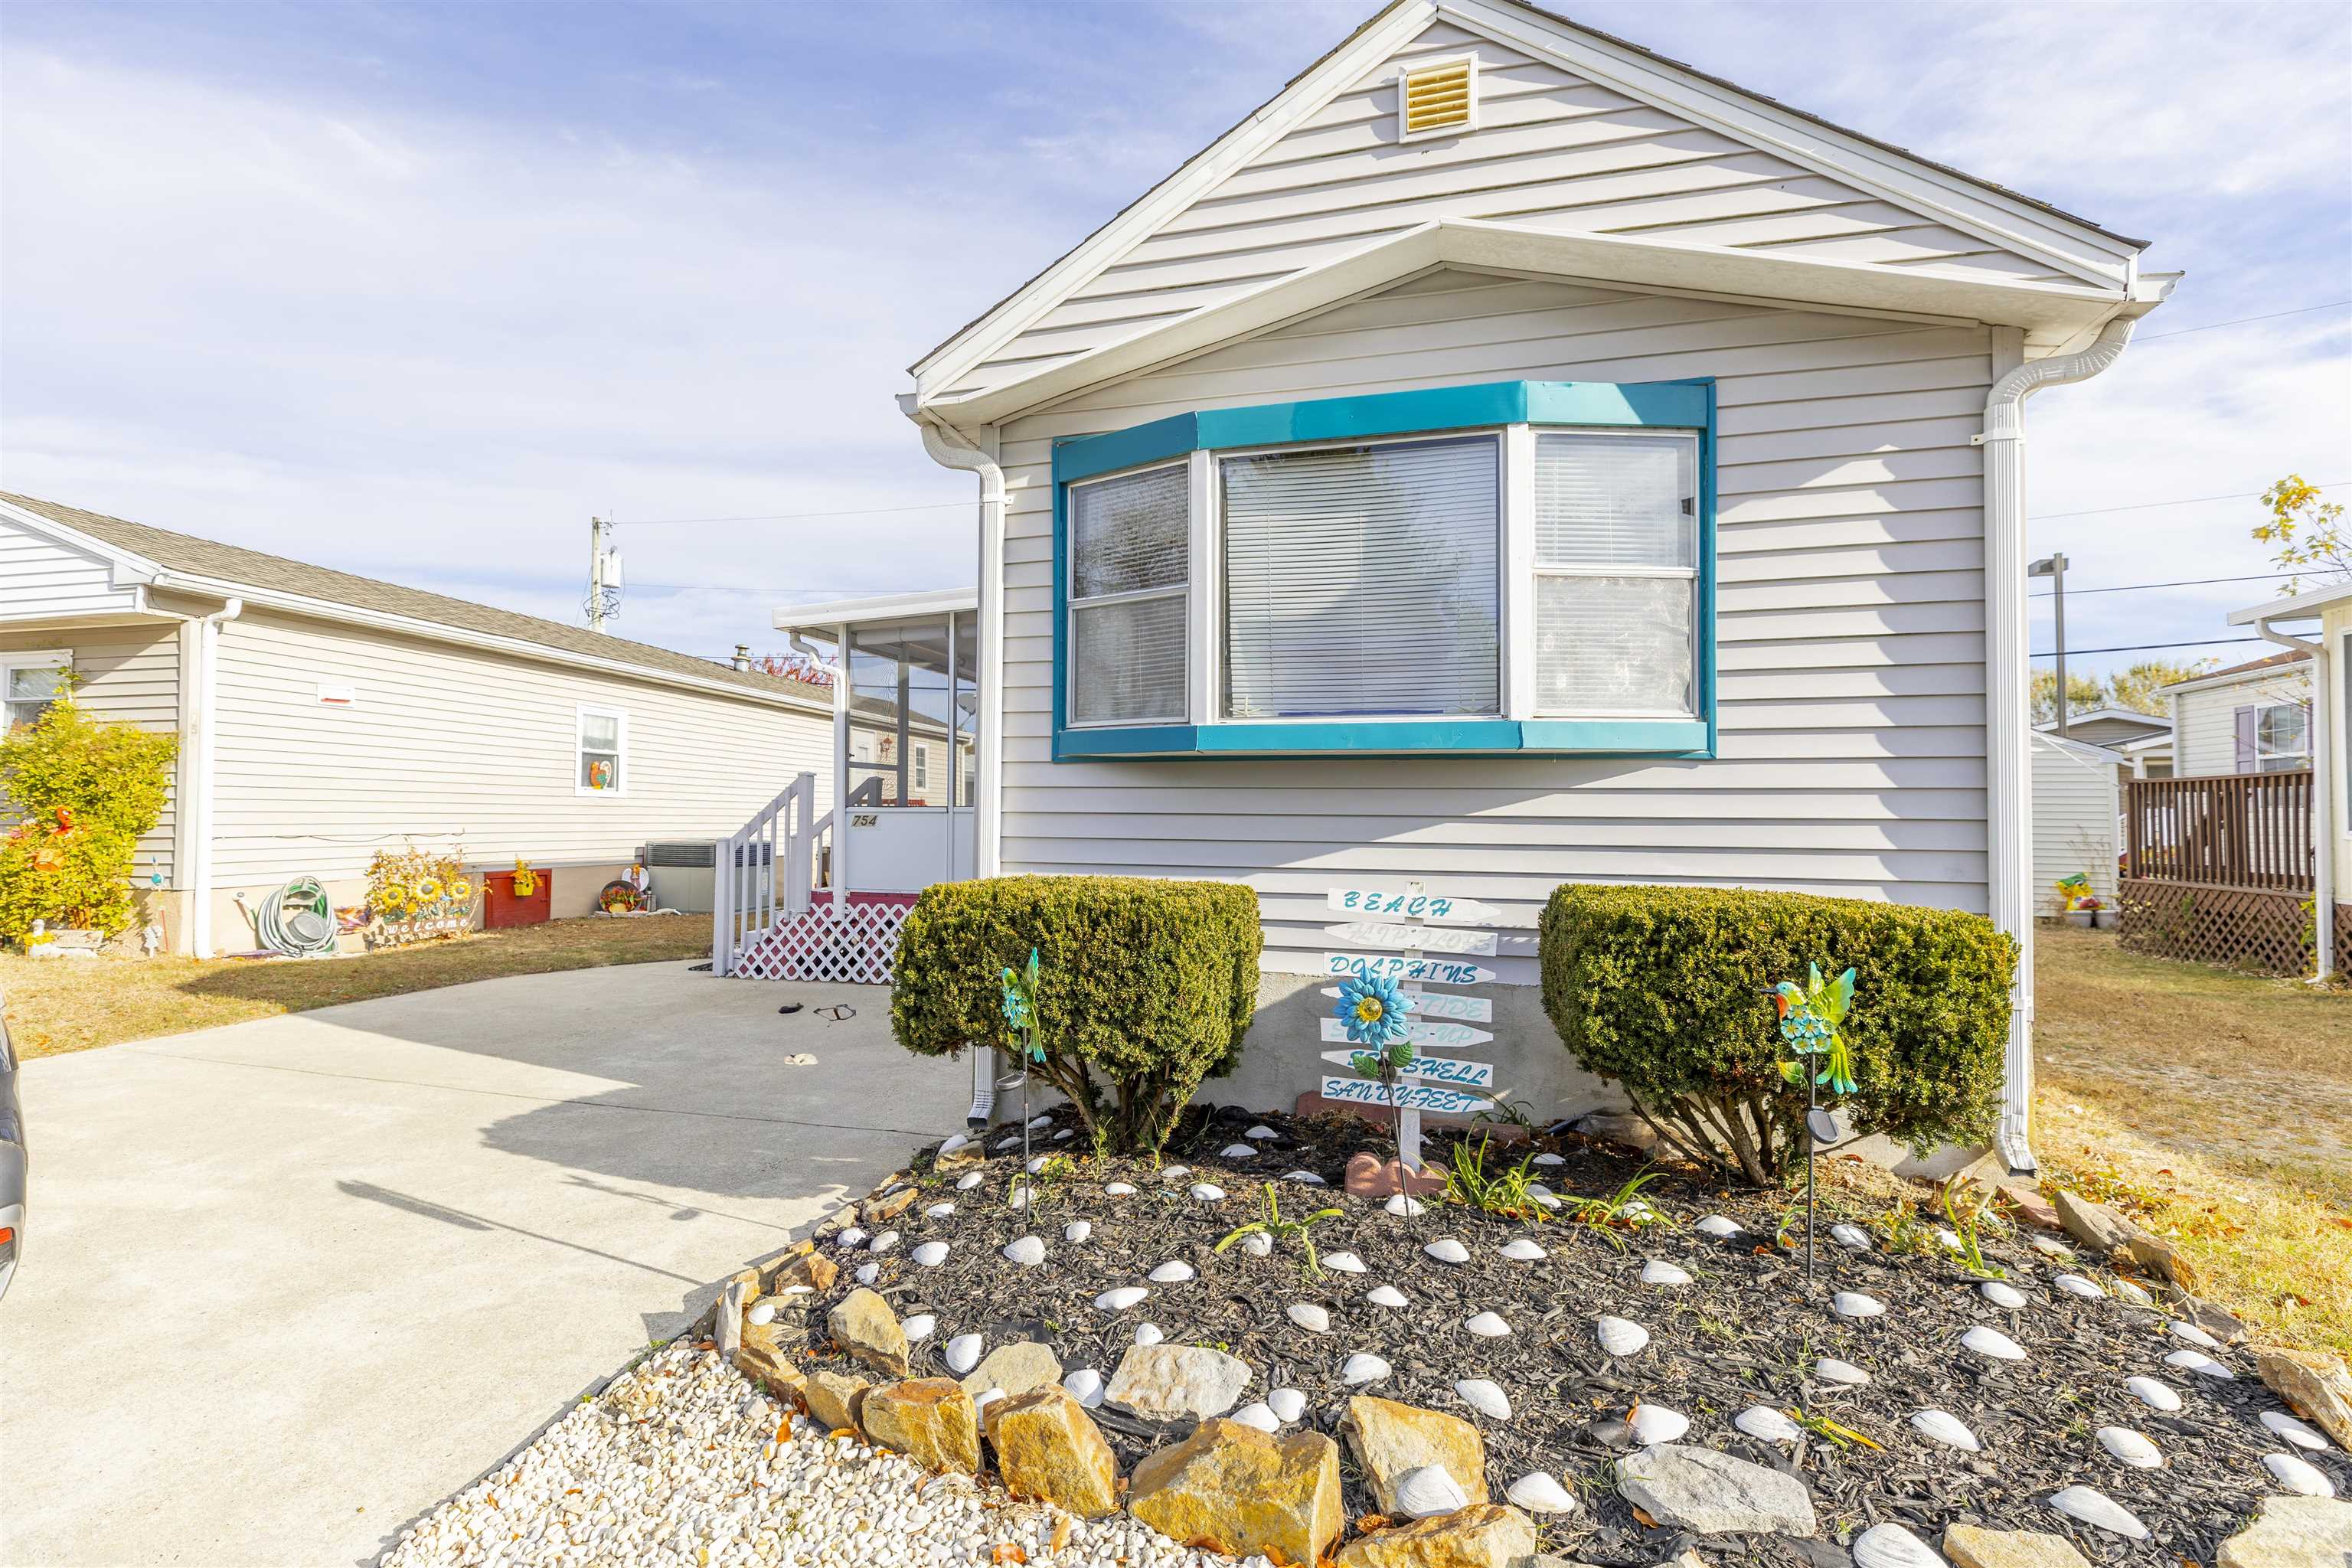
1808,1023
1373,1009
1020,1017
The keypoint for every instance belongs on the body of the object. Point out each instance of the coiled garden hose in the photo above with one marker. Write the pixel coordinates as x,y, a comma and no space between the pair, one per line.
297,920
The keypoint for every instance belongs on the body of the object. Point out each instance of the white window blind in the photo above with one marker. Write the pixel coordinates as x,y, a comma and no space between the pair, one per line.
1616,530
1130,541
1363,580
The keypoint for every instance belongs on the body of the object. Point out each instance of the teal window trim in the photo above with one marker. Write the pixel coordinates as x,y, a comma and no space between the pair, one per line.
1662,404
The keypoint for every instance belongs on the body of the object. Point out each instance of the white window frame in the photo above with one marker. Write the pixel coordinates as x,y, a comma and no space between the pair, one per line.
920,766
58,659
2262,710
1686,573
581,713
1072,604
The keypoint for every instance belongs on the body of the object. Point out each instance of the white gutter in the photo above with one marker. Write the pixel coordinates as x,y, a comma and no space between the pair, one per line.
2323,805
2008,713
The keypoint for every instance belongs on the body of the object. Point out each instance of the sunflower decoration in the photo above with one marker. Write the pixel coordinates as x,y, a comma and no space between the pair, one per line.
426,891
461,893
389,899
1373,1009
1810,1017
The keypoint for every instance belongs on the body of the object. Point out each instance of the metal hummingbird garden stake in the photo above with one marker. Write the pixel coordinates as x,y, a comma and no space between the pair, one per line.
1020,1017
1372,1007
1810,1017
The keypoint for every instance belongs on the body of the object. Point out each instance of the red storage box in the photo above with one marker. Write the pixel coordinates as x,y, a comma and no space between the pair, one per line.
501,909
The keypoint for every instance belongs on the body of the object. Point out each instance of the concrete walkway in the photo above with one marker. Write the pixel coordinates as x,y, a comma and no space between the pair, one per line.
288,1284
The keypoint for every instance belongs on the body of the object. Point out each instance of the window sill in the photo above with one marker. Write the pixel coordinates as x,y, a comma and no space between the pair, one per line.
1395,737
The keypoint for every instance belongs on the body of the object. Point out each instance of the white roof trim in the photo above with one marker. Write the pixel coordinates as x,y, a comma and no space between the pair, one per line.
1766,277
2083,752
2293,606
127,569
880,607
2291,667
2153,721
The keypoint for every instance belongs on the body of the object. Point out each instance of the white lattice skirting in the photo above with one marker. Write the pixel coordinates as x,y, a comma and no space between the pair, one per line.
858,945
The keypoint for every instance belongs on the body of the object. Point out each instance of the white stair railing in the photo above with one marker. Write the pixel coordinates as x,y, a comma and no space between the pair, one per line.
764,872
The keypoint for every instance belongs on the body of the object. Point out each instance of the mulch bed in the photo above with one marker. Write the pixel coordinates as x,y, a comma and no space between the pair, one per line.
1745,1331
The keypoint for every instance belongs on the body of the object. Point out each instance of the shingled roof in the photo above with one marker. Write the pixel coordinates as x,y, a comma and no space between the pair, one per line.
237,566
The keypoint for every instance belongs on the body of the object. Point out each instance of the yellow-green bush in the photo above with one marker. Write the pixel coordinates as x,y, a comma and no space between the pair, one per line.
82,790
1147,987
1663,991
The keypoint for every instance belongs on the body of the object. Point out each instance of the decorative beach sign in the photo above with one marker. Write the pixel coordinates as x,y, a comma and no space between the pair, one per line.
1409,1098
1454,1070
1439,1005
1414,970
1438,1036
1412,938
1412,906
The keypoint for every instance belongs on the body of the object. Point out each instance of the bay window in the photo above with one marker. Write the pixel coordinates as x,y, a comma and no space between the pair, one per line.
1129,550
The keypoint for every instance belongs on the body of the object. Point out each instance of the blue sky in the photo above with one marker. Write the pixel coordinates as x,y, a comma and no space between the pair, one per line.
414,289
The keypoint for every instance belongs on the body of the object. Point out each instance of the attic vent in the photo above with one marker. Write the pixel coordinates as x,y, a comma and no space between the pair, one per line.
1437,99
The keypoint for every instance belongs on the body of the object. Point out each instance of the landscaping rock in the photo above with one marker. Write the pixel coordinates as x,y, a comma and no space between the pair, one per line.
2160,1257
728,1328
1483,1535
928,1419
2314,1386
2095,1226
762,1358
1047,1447
1971,1546
863,1325
834,1398
2224,1326
883,1210
1392,1440
810,1268
2026,1201
1022,1367
1161,1382
1619,1127
1243,1492
1715,1494
2293,1532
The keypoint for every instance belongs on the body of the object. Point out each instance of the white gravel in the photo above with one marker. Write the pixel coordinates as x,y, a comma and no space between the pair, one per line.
684,1462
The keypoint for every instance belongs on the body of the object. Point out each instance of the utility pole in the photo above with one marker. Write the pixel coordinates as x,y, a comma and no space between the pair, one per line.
603,600
2053,567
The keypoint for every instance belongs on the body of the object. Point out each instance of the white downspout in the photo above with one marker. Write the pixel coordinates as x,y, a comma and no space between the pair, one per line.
2323,805
2008,715
206,647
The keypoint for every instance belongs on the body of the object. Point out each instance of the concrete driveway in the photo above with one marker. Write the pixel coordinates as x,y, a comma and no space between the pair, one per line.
288,1284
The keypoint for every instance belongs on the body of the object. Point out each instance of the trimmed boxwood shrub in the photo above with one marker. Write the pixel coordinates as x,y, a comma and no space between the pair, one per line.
1662,990
1147,985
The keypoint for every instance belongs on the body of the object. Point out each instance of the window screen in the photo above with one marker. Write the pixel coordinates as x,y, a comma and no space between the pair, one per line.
1616,573
1131,542
1363,580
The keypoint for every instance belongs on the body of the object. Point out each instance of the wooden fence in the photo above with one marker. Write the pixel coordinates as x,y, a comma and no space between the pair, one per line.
2220,870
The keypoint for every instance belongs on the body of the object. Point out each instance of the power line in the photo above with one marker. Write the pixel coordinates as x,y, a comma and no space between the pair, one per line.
2184,500
2241,320
2184,582
2151,647
790,515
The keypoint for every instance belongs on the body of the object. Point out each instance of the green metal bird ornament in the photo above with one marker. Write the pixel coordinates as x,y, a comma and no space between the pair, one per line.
1810,1017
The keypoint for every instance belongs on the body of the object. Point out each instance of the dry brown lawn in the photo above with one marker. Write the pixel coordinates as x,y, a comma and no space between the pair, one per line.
55,1006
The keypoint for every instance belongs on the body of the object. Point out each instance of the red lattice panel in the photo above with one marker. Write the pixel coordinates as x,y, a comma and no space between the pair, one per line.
2207,923
856,945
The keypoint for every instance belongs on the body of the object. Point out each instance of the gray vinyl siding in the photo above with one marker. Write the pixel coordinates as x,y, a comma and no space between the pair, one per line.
456,746
2076,801
1851,624
2206,739
41,577
128,675
1552,151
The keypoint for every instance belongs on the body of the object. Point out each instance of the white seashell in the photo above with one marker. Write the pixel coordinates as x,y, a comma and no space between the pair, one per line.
1853,1237
1548,1201
1855,1304
939,1211
1261,1132
1446,1250
1305,1179
1175,1172
2049,1248
795,1291
1828,1369
2298,1475
1120,1298
2095,1506
1012,1142
1656,1424
2153,1395
1488,1326
1404,1206
1077,1230
853,1237
1943,1426
1537,1190
1522,1250
931,1253
1387,1296
883,1242
2130,1447
1118,1189
1257,1415
1993,1344
962,1353
1771,1424
1486,1398
1892,1546
1287,1403
1715,1226
868,1273
2075,1285
1550,1159
1028,1252
1258,1244
1039,1124
1206,1192
2001,1295
980,1401
1065,1134
1427,1490
1309,1316
1950,1239
2133,1294
1174,1272
954,1141
1362,1367
1658,1271
1620,1336
1148,1334
1236,1152
1345,1262
1086,1386
1537,1493
761,1315
2301,1434
970,1180
1038,1163
918,1327
2200,1363
2194,1335
1019,1198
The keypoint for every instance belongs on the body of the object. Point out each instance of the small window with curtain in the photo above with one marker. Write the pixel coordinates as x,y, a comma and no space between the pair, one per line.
1616,561
1363,580
2281,737
602,747
31,682
1130,550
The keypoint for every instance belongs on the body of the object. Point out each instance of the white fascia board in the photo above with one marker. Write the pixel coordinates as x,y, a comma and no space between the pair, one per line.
465,636
1765,278
127,569
881,607
2288,667
2083,751
1973,208
2294,606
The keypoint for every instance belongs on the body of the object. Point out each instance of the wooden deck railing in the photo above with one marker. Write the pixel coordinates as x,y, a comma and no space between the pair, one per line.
2233,830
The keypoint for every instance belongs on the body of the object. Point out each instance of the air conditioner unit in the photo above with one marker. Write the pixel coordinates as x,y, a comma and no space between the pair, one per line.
681,874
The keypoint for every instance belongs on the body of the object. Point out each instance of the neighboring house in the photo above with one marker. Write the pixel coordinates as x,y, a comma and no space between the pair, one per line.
324,716
2252,718
2077,807
2145,740
1509,457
